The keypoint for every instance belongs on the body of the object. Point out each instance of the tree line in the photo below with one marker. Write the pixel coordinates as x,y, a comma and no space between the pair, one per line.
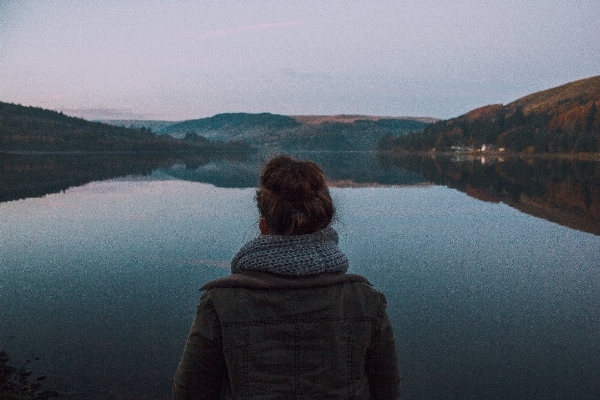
36,129
572,126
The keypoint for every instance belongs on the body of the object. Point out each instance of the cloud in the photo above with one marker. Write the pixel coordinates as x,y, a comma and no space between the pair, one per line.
223,33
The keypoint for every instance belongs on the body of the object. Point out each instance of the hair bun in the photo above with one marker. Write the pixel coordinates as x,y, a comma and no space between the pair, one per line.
293,197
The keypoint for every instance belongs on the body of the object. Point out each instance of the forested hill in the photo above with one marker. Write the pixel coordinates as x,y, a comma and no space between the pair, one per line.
298,133
36,129
233,121
564,119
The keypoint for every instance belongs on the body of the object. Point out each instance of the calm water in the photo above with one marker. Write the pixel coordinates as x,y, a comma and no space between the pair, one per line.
100,282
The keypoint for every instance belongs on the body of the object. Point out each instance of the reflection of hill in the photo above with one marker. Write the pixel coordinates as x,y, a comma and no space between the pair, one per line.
222,173
34,176
359,168
561,191
23,176
345,169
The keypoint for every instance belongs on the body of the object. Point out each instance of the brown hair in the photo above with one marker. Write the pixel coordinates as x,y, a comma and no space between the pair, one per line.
293,198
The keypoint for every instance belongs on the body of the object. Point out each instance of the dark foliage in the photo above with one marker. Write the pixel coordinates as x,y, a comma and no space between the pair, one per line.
35,129
340,136
559,120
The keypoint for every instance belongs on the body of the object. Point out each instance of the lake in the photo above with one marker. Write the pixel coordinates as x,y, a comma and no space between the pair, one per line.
489,294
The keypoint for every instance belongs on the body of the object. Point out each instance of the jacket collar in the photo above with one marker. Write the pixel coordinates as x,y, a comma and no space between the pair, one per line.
265,280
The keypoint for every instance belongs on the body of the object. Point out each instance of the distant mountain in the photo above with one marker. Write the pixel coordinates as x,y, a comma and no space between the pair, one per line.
232,125
349,118
35,129
341,132
153,125
361,134
564,119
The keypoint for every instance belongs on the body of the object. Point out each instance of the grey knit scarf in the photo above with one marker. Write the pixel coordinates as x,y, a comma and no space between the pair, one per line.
296,255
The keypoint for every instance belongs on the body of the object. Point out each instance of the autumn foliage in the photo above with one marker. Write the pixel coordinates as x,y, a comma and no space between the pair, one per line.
559,120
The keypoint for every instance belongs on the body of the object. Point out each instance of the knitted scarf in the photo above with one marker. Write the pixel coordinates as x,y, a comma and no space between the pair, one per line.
296,255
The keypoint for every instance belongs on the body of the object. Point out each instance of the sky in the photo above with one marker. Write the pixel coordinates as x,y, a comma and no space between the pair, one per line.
176,60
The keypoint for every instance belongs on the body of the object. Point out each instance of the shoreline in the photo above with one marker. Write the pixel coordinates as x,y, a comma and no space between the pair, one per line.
497,155
472,153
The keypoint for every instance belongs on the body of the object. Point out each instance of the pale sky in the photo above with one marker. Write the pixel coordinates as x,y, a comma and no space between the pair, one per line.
174,60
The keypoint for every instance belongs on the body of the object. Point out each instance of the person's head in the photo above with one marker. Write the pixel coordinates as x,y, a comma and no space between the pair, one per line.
293,198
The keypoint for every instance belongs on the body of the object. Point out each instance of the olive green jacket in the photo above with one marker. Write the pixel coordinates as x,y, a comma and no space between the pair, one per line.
262,336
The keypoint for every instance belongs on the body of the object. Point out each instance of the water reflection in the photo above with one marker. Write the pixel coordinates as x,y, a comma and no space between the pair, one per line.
35,175
559,190
486,302
562,191
23,176
340,168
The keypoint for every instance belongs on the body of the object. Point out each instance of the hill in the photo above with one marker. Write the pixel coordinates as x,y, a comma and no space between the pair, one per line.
582,91
564,119
153,125
344,118
342,132
232,125
36,129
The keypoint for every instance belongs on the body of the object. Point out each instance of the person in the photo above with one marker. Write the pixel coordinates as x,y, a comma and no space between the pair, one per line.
289,322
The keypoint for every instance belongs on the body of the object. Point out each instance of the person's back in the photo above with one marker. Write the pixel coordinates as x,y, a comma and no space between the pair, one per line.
290,323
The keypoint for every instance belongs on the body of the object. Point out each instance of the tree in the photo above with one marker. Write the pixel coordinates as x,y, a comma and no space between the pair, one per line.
589,123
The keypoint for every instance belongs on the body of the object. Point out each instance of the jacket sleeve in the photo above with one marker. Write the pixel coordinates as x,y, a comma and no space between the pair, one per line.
202,368
382,361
